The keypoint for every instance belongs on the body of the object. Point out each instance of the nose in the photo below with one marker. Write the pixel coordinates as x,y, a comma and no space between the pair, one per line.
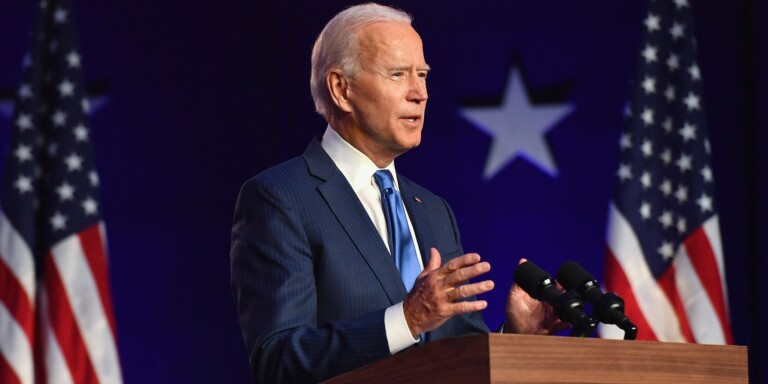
417,91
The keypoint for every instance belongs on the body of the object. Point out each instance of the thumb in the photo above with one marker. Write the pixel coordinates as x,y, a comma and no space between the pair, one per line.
434,262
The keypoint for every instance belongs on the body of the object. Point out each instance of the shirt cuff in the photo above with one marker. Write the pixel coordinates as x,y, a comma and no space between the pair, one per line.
398,334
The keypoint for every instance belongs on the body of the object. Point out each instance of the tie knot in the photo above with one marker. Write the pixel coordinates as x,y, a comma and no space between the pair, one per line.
384,179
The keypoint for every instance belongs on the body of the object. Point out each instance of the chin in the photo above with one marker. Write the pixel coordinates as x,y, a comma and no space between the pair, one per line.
413,140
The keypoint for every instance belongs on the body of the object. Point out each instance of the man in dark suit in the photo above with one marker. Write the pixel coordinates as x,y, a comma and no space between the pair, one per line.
317,290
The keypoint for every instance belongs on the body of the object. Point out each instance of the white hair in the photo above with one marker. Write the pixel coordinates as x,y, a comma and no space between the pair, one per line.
338,46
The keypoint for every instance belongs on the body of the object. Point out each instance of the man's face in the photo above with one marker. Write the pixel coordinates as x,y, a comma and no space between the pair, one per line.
388,96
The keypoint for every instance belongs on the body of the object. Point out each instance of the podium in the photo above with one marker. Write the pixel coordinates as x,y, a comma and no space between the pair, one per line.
504,358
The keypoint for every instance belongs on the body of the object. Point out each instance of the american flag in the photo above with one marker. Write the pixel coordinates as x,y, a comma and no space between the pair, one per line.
56,318
664,254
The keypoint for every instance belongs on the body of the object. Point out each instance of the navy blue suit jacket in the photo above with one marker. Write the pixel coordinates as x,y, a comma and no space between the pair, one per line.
311,276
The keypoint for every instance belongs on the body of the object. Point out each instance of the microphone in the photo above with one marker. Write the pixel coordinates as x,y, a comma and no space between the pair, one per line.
568,307
609,307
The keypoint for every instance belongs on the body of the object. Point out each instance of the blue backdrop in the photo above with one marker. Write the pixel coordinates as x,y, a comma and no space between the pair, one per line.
197,97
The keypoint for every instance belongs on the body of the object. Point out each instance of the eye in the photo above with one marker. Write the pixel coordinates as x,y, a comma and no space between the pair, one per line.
398,74
423,74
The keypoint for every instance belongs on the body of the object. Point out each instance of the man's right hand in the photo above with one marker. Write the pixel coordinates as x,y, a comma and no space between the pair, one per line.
436,295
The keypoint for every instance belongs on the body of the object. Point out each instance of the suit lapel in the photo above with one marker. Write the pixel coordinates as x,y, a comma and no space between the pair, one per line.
346,206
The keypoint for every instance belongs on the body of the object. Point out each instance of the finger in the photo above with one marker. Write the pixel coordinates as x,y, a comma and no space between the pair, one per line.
467,290
460,262
434,262
466,273
468,306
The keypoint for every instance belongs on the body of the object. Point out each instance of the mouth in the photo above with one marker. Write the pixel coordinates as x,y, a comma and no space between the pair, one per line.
412,119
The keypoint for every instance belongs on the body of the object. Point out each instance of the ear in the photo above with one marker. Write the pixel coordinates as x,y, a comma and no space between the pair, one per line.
338,86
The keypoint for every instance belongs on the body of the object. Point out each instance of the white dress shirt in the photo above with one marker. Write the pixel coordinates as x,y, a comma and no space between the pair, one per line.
358,169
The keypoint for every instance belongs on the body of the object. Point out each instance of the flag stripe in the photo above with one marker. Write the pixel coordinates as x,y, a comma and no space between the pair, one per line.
668,283
15,350
56,368
651,300
65,327
17,321
616,278
706,268
712,231
16,255
707,327
7,373
94,251
12,295
79,281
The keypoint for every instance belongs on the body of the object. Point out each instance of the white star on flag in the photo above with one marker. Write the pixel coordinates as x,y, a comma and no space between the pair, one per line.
81,132
24,121
24,184
65,191
652,22
517,128
58,221
73,59
705,202
692,101
74,162
25,91
90,206
66,88
59,118
93,177
60,16
23,153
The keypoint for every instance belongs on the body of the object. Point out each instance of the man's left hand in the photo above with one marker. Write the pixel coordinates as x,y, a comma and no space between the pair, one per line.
529,316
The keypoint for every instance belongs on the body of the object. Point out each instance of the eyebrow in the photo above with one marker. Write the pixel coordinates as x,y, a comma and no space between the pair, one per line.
403,68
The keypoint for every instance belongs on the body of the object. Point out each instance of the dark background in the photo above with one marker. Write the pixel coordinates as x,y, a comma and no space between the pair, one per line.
199,96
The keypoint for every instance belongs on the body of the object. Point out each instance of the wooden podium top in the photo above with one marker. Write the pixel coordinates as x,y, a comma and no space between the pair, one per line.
501,358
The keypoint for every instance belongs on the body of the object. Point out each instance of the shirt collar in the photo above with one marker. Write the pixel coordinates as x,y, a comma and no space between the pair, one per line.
353,164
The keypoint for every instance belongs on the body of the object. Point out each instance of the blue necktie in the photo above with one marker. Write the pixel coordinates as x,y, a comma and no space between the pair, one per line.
400,241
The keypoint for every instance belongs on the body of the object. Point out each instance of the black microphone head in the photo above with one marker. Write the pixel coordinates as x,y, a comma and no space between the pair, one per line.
571,276
530,277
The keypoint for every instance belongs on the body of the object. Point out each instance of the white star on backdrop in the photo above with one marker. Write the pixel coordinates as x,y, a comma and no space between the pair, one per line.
517,128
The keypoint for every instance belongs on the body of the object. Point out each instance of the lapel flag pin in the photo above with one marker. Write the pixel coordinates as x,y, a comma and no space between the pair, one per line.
417,199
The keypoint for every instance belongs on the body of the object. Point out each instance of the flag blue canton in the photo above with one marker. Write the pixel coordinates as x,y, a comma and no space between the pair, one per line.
665,187
50,188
